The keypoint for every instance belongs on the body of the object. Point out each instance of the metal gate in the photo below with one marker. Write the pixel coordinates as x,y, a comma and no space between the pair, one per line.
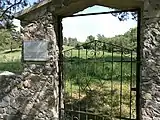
100,82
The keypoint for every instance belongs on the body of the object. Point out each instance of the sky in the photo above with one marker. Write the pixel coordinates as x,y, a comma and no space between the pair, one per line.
81,27
106,24
17,22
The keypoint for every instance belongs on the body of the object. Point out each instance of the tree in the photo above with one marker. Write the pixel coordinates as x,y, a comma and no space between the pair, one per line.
79,46
70,41
122,16
88,43
128,40
65,41
74,42
101,37
8,9
90,38
7,41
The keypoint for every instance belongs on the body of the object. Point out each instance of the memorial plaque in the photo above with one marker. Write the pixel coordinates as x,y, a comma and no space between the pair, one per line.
35,50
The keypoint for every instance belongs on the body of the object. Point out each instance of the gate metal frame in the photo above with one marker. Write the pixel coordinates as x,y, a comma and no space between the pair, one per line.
138,71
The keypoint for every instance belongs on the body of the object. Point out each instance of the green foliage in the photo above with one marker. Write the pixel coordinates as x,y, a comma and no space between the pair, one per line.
122,16
70,41
90,38
7,41
101,37
128,40
8,9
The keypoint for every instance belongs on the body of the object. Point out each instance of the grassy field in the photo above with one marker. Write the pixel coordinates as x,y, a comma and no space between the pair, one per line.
11,61
96,81
100,82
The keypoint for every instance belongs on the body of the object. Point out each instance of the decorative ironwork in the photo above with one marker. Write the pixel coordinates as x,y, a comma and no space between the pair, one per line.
100,82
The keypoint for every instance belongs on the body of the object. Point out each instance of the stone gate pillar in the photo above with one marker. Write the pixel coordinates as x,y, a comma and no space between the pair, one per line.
150,82
39,89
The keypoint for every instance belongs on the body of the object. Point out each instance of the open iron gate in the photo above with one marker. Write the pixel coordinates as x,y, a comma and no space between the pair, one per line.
100,82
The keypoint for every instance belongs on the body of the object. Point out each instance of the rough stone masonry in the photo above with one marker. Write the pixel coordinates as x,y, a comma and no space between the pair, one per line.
150,67
34,95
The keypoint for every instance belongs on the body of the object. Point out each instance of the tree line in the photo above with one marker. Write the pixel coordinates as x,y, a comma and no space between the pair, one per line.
127,40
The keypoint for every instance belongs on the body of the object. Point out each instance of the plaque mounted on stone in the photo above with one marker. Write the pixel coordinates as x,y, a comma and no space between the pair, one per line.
35,50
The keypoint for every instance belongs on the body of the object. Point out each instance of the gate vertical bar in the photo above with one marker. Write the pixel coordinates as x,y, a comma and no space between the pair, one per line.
86,105
138,75
121,85
130,116
112,85
63,78
79,83
60,64
70,82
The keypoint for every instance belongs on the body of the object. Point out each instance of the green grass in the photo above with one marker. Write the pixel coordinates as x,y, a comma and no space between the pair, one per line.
88,75
98,85
99,99
67,47
10,56
94,78
10,61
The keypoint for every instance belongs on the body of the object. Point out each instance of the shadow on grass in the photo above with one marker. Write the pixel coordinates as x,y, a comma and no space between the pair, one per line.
9,51
15,66
98,69
99,104
100,59
83,75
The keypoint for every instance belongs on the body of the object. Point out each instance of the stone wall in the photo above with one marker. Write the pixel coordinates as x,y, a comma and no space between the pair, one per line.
42,78
34,95
150,84
24,100
9,93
